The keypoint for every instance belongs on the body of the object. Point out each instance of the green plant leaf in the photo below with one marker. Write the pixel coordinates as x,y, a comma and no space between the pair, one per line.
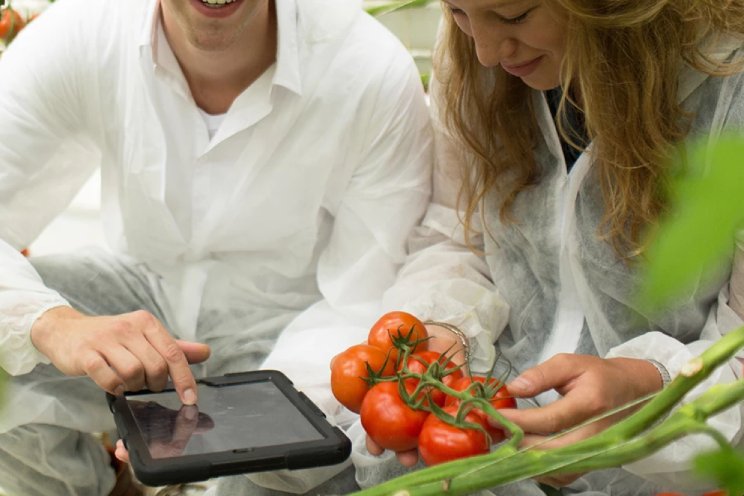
725,467
708,206
385,7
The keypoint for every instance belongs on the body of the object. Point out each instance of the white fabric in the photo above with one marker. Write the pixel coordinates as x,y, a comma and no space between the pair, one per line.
564,289
300,203
736,300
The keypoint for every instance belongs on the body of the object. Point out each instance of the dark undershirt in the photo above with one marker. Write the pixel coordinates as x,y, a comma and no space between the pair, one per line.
574,124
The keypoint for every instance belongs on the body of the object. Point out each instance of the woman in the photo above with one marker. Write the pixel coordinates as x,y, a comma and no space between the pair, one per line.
565,118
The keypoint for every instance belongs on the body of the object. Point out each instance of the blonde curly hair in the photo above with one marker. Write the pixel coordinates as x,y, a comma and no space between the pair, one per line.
624,58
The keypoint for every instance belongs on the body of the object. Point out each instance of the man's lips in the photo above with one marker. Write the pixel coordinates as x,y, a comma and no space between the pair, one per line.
216,10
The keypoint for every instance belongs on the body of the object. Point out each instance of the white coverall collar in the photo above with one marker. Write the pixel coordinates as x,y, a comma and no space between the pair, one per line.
691,78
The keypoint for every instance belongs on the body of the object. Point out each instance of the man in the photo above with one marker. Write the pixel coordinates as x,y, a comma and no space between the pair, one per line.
262,162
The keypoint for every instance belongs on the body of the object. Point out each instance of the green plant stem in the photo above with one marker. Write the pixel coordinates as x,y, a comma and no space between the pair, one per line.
633,438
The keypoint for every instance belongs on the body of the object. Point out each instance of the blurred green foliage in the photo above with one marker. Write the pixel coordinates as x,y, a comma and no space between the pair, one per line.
692,244
725,466
383,7
696,239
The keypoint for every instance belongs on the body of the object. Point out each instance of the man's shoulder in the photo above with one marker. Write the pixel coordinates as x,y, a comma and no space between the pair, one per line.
344,28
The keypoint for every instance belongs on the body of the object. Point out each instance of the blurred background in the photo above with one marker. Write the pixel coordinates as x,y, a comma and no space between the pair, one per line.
415,25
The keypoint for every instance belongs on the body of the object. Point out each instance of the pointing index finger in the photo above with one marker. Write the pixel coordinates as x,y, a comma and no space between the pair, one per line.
178,366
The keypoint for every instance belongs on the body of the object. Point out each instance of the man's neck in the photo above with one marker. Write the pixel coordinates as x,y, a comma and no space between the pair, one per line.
217,77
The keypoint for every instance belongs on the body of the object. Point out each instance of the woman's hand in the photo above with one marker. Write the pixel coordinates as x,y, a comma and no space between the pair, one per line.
589,386
442,341
405,458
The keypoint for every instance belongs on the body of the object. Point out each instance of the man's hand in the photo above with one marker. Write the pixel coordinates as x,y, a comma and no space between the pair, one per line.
120,353
589,386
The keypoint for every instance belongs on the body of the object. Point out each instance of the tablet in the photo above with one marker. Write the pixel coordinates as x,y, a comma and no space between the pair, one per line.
246,422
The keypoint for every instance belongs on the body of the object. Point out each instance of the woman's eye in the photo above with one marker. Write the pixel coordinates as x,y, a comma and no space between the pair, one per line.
516,20
456,11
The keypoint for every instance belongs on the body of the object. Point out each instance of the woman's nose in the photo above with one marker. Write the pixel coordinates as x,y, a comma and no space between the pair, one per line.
491,50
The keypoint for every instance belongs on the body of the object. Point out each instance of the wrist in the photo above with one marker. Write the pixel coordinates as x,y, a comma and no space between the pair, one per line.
640,374
666,378
46,326
459,345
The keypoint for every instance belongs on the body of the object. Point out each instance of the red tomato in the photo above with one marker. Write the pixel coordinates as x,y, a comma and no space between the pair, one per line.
394,327
441,442
419,363
349,371
388,420
499,398
11,22
494,389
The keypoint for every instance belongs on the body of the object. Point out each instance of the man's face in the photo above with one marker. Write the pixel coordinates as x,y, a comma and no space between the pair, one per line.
525,37
211,25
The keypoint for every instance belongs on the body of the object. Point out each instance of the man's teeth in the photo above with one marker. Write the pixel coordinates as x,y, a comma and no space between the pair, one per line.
216,3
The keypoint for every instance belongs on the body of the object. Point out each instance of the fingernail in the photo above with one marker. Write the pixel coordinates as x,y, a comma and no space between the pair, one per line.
189,397
520,384
119,390
190,413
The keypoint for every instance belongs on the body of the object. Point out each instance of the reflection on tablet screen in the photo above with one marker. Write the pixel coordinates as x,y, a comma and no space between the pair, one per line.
251,415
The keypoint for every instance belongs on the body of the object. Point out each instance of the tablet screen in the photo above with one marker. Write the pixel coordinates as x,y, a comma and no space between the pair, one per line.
239,417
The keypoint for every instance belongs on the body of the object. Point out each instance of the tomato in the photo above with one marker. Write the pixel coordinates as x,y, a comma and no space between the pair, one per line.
11,22
349,372
419,362
394,327
441,442
495,390
388,420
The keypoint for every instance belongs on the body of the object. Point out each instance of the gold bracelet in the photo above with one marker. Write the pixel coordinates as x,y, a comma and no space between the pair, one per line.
464,341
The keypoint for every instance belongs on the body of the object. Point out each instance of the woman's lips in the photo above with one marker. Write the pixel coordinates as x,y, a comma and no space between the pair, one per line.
522,70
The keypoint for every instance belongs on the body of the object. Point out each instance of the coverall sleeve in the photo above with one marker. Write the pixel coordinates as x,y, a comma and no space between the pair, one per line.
44,160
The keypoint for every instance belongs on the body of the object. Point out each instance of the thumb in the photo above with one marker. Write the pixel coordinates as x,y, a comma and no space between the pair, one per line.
554,373
195,352
529,383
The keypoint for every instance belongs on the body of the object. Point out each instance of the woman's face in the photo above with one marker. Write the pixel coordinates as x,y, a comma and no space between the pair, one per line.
524,37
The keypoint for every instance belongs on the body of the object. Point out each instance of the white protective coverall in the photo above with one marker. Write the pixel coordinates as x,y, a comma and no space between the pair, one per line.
296,209
566,290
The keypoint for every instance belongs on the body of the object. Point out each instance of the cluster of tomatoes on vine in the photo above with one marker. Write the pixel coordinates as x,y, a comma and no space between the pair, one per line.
409,397
11,23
